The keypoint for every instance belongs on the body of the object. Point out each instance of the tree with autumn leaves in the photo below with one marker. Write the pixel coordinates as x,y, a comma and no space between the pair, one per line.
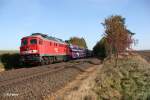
77,41
118,38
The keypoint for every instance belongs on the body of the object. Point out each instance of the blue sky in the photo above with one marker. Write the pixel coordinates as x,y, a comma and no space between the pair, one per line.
68,18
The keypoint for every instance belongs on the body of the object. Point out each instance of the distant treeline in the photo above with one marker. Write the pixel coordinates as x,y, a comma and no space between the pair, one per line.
8,51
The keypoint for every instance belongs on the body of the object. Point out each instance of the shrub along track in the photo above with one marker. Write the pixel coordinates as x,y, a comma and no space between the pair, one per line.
38,82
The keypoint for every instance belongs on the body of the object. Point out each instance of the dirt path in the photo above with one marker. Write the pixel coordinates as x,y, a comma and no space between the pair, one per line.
80,88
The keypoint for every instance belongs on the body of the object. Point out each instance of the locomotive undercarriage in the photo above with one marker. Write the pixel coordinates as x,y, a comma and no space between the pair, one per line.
42,59
52,59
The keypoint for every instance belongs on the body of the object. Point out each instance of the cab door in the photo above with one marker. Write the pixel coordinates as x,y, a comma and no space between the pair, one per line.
41,48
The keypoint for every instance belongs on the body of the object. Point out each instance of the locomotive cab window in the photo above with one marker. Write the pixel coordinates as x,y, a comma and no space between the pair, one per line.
33,41
24,42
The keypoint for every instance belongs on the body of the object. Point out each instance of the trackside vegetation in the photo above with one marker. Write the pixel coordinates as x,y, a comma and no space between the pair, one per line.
116,38
124,75
10,61
99,49
130,80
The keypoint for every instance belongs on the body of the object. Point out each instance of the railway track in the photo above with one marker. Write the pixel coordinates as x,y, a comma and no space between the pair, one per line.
28,73
11,75
39,71
34,83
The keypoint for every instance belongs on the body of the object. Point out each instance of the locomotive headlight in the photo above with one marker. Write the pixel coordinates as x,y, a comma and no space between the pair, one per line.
34,51
36,55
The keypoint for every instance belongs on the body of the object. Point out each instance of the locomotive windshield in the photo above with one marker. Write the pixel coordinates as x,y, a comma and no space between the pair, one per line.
24,42
33,41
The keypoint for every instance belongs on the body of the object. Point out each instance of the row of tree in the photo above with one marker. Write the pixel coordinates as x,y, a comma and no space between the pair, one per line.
100,48
117,38
77,41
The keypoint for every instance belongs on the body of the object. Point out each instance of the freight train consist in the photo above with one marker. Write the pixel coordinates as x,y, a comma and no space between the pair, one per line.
43,49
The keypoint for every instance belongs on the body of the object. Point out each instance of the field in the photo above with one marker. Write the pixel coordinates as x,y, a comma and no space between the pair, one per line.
8,51
145,54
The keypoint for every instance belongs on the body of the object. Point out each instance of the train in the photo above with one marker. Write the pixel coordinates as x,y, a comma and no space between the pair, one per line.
39,48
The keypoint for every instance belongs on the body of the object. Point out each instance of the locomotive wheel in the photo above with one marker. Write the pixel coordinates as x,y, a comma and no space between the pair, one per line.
46,60
50,60
42,62
55,59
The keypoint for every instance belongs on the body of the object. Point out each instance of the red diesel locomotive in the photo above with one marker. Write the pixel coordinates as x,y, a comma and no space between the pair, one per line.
42,49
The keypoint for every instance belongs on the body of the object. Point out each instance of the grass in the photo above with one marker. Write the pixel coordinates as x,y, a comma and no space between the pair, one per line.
130,80
1,66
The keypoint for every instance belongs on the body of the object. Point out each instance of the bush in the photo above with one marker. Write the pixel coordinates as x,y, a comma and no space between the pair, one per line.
99,49
10,61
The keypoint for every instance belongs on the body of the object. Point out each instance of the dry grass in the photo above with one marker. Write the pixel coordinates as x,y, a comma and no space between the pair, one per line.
145,54
1,67
130,80
81,88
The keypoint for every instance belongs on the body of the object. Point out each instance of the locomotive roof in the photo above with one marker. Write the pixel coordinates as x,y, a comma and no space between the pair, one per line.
48,37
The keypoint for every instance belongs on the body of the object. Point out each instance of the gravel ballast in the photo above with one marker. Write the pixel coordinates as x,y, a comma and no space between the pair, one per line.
38,82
